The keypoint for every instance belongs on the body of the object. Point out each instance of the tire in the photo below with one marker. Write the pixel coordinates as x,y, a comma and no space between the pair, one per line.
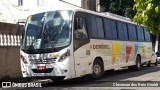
138,63
97,70
149,63
156,63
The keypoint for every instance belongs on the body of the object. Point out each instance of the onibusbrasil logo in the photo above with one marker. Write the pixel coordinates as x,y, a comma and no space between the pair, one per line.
13,84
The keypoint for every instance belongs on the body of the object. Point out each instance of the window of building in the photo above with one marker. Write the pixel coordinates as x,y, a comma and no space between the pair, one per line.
41,2
20,2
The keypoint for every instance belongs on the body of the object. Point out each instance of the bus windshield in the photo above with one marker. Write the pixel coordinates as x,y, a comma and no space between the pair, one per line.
47,30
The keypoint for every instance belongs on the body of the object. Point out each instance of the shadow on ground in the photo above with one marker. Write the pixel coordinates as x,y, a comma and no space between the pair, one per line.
109,77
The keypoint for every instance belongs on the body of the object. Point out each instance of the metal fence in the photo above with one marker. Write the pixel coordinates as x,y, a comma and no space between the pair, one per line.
9,51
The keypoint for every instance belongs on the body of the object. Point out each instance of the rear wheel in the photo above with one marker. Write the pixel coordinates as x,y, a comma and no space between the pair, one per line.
97,69
149,63
138,63
156,63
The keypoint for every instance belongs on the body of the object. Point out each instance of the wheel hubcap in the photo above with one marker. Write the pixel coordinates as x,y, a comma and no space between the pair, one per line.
97,69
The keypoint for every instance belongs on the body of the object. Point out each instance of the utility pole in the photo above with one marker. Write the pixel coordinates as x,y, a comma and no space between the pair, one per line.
98,8
157,42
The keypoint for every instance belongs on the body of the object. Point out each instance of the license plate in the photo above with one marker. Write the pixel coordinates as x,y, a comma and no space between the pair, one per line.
41,67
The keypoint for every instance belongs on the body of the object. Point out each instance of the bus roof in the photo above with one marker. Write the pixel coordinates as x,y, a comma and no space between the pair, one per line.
107,15
102,14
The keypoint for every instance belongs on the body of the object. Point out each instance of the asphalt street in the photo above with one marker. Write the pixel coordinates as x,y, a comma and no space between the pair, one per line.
111,80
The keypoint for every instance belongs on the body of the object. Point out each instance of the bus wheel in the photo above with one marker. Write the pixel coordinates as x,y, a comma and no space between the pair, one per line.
149,63
97,70
156,63
138,63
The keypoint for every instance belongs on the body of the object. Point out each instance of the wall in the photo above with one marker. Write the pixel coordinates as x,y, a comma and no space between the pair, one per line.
9,51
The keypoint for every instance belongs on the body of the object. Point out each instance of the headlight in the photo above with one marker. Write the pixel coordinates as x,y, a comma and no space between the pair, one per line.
23,59
64,56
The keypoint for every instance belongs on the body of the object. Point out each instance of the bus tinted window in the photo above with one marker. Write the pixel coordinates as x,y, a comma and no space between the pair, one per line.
125,31
130,33
114,31
120,30
81,33
134,32
147,35
94,32
107,27
100,27
140,33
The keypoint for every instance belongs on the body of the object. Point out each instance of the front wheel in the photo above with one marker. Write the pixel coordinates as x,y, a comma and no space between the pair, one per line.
97,69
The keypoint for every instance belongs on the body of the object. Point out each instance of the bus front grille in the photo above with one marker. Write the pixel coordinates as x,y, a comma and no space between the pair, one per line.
42,61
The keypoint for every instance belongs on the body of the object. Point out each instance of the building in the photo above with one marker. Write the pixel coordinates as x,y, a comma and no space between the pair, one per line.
13,10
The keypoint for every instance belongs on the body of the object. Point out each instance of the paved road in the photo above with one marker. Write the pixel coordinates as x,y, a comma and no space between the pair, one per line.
121,76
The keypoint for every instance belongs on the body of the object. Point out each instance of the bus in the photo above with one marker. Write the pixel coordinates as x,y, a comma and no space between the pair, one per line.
70,43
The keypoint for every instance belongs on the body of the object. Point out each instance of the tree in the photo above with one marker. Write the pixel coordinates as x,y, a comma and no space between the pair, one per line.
148,14
120,7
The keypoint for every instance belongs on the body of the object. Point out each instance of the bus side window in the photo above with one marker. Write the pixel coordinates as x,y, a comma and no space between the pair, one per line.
107,28
100,27
134,32
114,29
147,35
120,30
80,32
140,33
130,32
80,29
125,31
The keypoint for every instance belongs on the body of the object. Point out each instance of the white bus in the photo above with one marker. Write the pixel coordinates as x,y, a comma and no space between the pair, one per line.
64,44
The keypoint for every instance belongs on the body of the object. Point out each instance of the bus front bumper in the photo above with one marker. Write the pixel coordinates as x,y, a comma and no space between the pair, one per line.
49,70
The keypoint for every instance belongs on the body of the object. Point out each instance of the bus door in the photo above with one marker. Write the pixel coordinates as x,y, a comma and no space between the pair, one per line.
81,45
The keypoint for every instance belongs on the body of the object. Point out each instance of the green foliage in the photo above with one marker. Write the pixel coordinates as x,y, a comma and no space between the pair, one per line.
148,14
120,7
